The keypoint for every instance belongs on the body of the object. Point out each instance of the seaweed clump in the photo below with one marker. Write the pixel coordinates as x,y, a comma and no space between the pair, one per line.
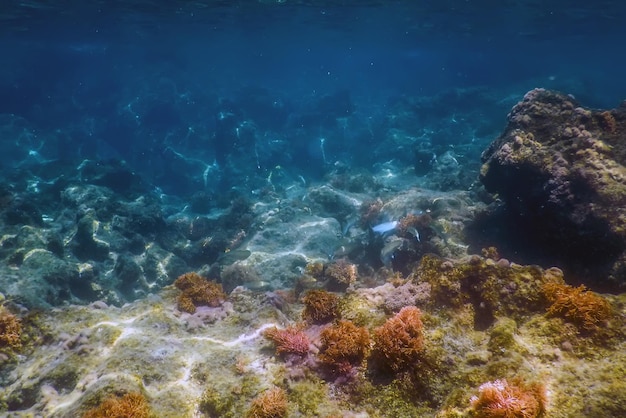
270,404
344,346
320,306
131,405
501,399
288,341
578,305
399,342
197,291
10,330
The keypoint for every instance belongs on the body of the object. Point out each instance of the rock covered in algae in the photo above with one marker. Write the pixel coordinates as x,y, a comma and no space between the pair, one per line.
494,288
560,169
85,355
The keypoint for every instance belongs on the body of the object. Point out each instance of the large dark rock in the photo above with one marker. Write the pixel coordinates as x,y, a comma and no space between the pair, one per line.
560,171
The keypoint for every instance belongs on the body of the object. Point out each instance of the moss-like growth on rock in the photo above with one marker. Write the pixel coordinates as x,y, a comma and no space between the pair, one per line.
215,404
609,401
311,397
494,288
502,336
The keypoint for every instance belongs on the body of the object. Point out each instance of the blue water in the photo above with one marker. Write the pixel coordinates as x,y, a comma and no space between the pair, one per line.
146,82
206,102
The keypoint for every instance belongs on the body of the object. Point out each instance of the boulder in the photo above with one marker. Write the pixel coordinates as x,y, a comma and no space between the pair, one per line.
560,171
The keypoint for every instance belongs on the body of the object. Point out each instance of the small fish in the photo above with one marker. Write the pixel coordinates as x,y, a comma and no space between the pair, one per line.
413,231
230,257
308,282
385,227
345,248
388,252
439,231
349,223
257,285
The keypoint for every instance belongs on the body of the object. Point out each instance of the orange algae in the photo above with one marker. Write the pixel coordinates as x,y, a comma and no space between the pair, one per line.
197,291
586,309
501,399
270,404
320,306
10,330
344,346
399,342
131,405
288,341
607,122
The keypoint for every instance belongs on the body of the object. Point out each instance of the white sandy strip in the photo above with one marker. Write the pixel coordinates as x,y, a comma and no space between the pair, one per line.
239,340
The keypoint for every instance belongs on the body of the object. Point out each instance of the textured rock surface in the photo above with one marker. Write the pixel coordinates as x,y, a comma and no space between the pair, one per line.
560,170
216,361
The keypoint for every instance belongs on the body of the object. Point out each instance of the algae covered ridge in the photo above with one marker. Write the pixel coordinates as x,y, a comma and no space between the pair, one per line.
472,334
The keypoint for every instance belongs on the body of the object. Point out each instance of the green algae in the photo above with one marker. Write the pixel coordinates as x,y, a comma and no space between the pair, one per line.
225,394
396,398
495,289
502,336
218,401
311,397
360,311
229,398
609,401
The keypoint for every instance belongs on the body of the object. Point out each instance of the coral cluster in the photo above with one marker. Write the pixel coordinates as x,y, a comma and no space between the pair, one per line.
290,340
320,306
197,291
399,342
584,308
344,346
270,404
130,405
10,330
501,399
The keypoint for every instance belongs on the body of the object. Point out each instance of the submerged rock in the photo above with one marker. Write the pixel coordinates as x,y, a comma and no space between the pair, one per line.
560,170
